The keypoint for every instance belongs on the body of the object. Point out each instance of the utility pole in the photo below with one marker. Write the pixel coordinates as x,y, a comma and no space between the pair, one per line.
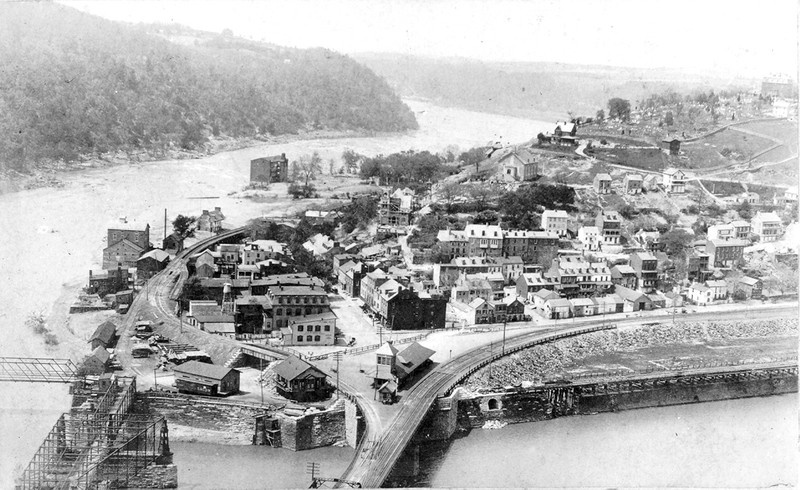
491,354
261,379
312,469
338,356
504,335
155,378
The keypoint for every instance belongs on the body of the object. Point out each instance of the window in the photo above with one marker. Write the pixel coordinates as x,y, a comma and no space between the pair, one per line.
317,328
279,311
299,338
298,312
288,311
316,338
309,310
299,328
305,300
327,328
314,300
308,338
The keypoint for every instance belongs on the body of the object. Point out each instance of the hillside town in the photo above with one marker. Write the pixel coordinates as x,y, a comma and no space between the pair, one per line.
578,225
511,241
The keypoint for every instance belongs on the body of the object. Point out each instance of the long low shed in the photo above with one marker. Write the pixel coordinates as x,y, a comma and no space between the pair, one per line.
206,379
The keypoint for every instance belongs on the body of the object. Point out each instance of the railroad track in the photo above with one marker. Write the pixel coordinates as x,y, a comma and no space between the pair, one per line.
379,450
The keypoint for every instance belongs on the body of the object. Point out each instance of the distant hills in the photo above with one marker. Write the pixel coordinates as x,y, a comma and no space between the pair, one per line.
536,90
72,84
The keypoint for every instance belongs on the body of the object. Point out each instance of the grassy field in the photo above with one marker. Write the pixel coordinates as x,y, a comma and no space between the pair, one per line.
784,174
676,356
784,130
723,188
644,158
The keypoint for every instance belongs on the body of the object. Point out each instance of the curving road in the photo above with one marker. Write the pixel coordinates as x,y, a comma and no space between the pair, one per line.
380,447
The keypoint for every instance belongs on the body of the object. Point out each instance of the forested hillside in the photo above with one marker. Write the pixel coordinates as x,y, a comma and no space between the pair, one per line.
73,85
538,90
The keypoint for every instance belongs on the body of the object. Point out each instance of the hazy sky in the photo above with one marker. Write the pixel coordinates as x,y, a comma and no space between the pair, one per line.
751,38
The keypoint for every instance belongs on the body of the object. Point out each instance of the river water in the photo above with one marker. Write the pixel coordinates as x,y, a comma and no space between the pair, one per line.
748,442
51,237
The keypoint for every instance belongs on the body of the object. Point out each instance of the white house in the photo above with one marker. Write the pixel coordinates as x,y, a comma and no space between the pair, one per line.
555,221
589,236
701,294
674,181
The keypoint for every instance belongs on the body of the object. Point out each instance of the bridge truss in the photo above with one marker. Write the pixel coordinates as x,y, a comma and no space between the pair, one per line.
98,443
37,370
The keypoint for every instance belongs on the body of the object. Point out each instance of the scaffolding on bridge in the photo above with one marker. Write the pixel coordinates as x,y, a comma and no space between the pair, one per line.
37,370
98,443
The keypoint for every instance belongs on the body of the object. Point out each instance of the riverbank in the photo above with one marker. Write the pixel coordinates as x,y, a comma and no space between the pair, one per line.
51,174
634,349
745,443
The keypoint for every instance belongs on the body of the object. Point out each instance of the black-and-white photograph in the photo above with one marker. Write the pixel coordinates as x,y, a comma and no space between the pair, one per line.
268,244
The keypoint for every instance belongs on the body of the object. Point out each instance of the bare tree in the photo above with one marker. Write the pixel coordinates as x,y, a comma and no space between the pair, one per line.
307,168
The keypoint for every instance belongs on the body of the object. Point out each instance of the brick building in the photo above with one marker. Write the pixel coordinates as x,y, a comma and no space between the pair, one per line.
268,170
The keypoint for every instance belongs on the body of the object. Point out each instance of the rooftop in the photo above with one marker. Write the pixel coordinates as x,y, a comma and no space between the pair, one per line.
203,369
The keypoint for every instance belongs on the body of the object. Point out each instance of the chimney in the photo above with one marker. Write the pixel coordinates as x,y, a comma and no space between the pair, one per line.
217,208
205,212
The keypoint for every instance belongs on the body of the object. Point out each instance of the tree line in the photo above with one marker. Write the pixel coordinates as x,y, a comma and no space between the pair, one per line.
74,85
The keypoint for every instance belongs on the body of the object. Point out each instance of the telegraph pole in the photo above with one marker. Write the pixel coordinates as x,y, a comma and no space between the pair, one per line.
312,469
338,356
261,379
505,321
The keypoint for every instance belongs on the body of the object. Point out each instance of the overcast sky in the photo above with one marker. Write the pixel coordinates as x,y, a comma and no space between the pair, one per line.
750,38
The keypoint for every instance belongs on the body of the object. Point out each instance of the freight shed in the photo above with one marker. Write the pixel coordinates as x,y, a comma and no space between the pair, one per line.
206,379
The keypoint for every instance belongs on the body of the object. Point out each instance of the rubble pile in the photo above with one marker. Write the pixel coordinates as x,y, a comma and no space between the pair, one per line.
549,360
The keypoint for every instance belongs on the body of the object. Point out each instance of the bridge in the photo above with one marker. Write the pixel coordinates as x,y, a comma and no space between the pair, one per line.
98,442
377,452
37,370
381,447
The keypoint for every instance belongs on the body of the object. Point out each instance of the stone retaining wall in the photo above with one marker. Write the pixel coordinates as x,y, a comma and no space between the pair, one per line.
155,476
314,430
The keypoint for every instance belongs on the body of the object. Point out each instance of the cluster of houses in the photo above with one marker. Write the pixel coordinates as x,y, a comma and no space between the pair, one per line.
394,296
247,299
129,258
671,180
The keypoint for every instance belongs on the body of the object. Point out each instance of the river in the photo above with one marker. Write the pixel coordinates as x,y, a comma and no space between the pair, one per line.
749,442
51,237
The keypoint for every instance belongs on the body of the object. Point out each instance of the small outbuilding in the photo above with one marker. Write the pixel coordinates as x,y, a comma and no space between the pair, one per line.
206,379
298,380
97,362
104,336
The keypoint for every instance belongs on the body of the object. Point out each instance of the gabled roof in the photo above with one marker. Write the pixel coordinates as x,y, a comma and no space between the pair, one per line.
104,332
582,302
292,367
750,281
387,349
203,369
558,303
633,176
347,266
602,177
628,294
716,284
546,294
388,387
477,303
156,254
127,243
101,354
217,318
412,356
